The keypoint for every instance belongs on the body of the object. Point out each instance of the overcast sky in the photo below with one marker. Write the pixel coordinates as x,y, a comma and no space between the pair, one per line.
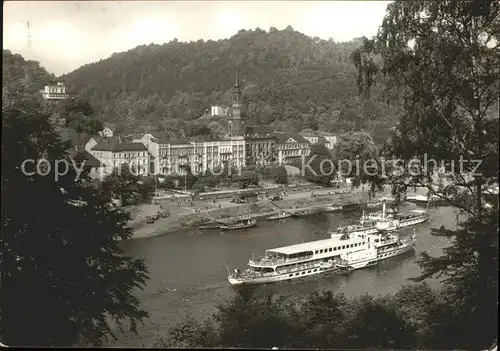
64,35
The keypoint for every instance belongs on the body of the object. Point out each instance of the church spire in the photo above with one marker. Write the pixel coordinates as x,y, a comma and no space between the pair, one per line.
237,82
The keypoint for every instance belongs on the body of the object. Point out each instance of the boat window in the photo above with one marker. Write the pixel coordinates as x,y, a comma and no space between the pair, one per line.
315,270
316,251
330,249
291,275
343,246
303,272
320,251
308,271
296,274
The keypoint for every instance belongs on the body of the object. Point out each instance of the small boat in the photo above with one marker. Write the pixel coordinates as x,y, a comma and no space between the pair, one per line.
240,224
209,226
374,204
333,208
303,213
351,207
281,215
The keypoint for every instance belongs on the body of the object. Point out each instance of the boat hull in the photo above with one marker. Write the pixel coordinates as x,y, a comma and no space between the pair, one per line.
238,227
413,221
382,256
234,280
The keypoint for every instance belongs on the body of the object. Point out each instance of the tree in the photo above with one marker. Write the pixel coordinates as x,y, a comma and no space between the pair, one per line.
122,183
279,175
64,276
319,167
441,61
357,157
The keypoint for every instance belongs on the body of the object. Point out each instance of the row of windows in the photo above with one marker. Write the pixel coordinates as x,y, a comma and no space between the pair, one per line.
293,146
338,248
304,272
129,154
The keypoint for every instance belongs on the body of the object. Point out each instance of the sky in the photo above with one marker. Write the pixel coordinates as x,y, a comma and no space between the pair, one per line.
64,35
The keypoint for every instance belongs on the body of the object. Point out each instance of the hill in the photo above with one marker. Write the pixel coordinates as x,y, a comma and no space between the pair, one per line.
290,81
22,78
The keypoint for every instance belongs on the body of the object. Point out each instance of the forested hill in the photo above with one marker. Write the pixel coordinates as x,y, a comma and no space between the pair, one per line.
290,81
22,78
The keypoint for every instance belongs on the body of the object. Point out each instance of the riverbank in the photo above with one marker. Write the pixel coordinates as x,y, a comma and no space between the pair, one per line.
187,218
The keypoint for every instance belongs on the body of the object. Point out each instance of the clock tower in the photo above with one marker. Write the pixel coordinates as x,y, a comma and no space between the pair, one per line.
236,123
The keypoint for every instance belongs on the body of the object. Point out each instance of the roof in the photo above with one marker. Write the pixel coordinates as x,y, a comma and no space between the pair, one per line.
180,142
105,140
322,140
321,133
282,138
90,161
259,131
309,246
318,133
119,147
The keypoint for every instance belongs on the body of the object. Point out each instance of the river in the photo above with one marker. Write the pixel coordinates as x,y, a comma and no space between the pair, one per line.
188,272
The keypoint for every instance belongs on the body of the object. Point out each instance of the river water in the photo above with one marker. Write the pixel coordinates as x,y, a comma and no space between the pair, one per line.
188,272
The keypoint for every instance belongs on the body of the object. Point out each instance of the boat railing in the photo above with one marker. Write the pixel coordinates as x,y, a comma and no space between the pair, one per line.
265,261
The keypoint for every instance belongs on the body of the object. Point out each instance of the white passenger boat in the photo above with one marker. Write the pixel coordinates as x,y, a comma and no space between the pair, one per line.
413,218
334,255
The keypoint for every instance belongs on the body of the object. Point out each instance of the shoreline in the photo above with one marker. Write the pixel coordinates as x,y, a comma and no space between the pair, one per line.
256,210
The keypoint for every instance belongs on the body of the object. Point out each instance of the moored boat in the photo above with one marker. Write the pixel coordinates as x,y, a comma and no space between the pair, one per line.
240,224
303,213
415,217
281,215
374,204
333,208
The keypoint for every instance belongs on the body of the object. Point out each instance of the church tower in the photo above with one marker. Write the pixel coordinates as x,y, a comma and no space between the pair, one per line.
236,123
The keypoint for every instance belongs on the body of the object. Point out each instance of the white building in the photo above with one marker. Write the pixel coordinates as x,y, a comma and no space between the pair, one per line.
326,138
54,92
219,111
174,157
114,155
106,132
290,146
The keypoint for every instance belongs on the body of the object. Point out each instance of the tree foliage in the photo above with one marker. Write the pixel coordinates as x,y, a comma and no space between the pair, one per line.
290,82
319,167
441,61
279,175
64,277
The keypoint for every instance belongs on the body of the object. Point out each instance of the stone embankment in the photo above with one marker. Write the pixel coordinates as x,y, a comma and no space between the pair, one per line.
255,210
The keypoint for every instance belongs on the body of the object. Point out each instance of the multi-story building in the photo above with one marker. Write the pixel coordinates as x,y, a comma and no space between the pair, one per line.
106,132
219,111
54,92
114,155
175,157
260,144
320,137
290,146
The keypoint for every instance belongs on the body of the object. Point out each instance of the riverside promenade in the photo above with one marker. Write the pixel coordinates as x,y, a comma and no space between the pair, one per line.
184,215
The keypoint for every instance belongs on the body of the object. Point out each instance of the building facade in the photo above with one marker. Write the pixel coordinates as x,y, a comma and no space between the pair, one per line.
106,132
219,111
174,158
54,92
320,137
114,155
291,146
